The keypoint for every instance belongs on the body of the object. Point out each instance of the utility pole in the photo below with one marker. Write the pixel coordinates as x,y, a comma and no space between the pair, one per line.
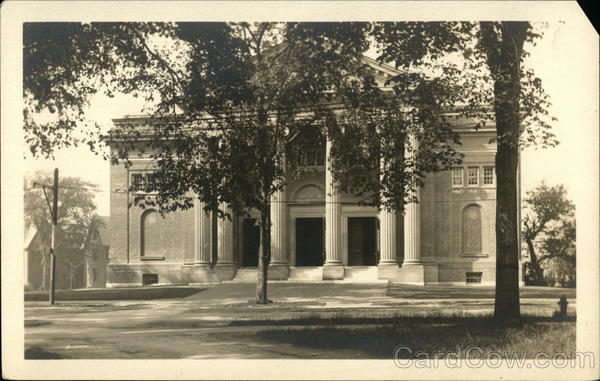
54,214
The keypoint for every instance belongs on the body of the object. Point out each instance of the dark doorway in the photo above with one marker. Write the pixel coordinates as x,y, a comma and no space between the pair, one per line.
251,237
362,241
310,242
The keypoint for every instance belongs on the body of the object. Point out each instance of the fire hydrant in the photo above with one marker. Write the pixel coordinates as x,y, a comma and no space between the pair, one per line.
562,303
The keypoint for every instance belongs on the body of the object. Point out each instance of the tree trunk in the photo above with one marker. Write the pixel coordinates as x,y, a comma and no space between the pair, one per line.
536,270
506,74
264,253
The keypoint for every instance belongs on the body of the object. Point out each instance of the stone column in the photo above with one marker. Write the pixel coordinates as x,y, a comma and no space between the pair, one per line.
226,266
387,234
412,234
278,266
388,262
333,268
202,234
199,271
412,219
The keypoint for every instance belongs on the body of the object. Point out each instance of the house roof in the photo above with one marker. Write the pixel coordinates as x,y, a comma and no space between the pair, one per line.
99,224
103,228
29,236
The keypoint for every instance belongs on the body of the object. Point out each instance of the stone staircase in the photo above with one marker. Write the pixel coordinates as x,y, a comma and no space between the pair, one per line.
246,275
360,274
352,274
305,274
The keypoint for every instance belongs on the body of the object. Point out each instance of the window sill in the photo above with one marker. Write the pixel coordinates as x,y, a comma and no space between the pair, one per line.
465,189
152,258
474,255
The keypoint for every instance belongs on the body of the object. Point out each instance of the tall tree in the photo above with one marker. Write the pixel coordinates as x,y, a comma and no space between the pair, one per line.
548,220
493,74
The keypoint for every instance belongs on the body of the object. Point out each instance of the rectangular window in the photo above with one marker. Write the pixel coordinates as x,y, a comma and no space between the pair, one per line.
488,175
457,177
474,277
151,182
138,181
312,157
141,182
148,279
473,176
94,275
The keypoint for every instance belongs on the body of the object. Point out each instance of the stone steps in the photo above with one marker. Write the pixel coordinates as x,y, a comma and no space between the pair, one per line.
246,275
303,274
352,274
360,274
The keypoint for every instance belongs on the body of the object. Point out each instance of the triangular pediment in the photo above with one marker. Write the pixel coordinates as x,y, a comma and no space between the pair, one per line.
381,71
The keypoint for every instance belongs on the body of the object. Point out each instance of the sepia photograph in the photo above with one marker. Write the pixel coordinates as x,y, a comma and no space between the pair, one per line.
413,187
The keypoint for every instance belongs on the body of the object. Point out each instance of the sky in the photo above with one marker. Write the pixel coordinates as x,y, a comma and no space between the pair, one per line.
556,60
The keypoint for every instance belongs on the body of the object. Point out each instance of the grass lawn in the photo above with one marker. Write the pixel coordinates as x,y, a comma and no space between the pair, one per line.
396,290
433,335
144,293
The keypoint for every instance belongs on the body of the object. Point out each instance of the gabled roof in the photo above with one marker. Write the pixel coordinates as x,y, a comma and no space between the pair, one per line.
98,224
103,229
30,234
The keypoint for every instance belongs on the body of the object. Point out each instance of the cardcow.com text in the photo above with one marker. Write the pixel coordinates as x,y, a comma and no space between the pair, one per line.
475,357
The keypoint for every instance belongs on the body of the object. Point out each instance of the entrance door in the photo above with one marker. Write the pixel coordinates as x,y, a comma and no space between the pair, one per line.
362,241
251,242
310,242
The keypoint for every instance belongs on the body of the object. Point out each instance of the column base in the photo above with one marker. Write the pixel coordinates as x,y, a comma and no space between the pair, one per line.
408,263
226,271
333,271
278,271
417,273
198,273
387,270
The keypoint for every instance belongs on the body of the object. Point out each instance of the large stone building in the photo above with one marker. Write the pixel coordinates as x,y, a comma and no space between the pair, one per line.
447,238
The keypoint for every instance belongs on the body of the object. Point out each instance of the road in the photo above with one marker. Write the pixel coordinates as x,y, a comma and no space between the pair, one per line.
200,325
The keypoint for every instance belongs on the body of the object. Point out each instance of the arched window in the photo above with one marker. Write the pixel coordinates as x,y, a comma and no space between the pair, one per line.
309,193
471,229
151,236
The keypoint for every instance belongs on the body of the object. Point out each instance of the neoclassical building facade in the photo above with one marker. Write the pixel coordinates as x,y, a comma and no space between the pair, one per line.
318,233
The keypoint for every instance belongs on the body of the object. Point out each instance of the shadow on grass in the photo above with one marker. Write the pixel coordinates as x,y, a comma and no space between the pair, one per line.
146,293
36,323
345,318
395,290
432,335
36,353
